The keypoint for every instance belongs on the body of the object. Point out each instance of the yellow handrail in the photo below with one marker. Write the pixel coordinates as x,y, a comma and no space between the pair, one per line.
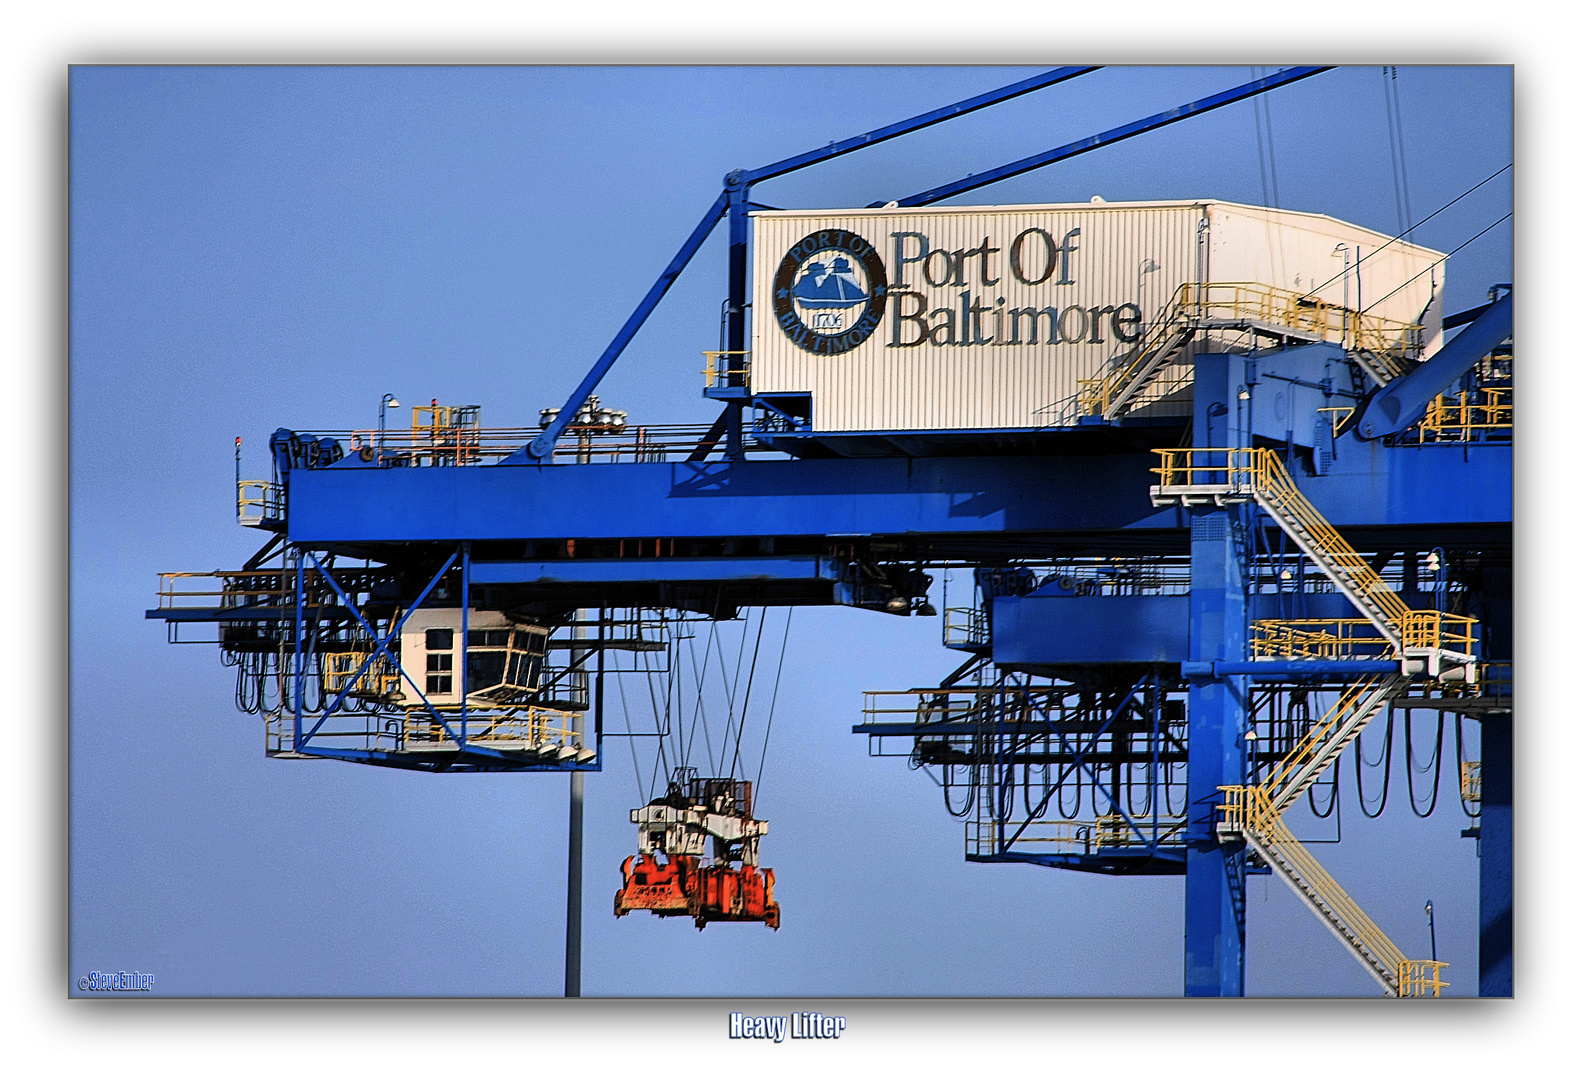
1271,480
1472,777
254,508
1420,978
1232,303
381,679
1095,396
1248,809
1316,639
1345,708
1259,473
1459,417
718,371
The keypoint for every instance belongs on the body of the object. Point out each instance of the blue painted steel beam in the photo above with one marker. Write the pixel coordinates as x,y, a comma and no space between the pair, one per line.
1495,857
734,198
1114,135
1215,938
829,498
472,758
922,120
1162,860
1401,404
541,447
606,571
922,497
1286,670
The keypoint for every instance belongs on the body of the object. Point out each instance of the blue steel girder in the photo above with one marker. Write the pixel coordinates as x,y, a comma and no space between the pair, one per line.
466,756
733,203
1098,499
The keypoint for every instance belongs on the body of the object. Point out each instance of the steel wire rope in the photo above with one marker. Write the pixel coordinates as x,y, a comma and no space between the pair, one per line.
673,690
626,714
747,694
1334,788
1504,217
774,696
1393,98
1044,779
948,768
1434,763
1008,769
243,680
685,748
1384,759
947,772
1410,228
1060,793
987,749
661,715
730,690
1132,770
1299,721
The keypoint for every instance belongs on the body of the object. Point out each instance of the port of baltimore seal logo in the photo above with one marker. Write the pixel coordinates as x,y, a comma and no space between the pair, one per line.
830,291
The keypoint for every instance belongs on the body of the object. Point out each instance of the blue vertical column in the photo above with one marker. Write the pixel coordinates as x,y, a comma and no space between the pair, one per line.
1495,856
736,302
1217,715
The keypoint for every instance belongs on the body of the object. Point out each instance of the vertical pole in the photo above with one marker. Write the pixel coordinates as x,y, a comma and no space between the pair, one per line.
296,740
574,891
574,843
1216,711
574,818
736,304
467,551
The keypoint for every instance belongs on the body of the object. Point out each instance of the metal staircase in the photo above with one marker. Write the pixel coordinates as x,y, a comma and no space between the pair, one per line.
1324,742
1380,367
1247,813
1421,642
1382,347
1112,394
1431,641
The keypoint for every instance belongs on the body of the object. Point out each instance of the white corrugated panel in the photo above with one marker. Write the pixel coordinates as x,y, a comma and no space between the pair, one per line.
992,315
1315,254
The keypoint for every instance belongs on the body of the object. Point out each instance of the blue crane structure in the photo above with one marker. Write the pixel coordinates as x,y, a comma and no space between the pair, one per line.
1178,622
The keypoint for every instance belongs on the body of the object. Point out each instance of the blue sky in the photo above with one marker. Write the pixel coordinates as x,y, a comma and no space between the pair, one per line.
263,247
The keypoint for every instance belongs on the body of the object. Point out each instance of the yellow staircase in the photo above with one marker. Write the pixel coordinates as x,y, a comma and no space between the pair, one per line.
1426,641
1247,813
1354,708
1429,642
1382,347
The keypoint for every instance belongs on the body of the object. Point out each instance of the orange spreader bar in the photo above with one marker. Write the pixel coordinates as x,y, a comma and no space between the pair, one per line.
708,894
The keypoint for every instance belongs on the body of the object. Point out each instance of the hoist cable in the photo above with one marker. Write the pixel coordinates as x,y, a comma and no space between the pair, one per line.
1395,93
730,689
698,708
747,694
1258,136
774,696
632,744
1335,790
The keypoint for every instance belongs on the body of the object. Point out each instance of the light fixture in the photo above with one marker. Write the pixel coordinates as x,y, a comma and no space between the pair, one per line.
388,399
